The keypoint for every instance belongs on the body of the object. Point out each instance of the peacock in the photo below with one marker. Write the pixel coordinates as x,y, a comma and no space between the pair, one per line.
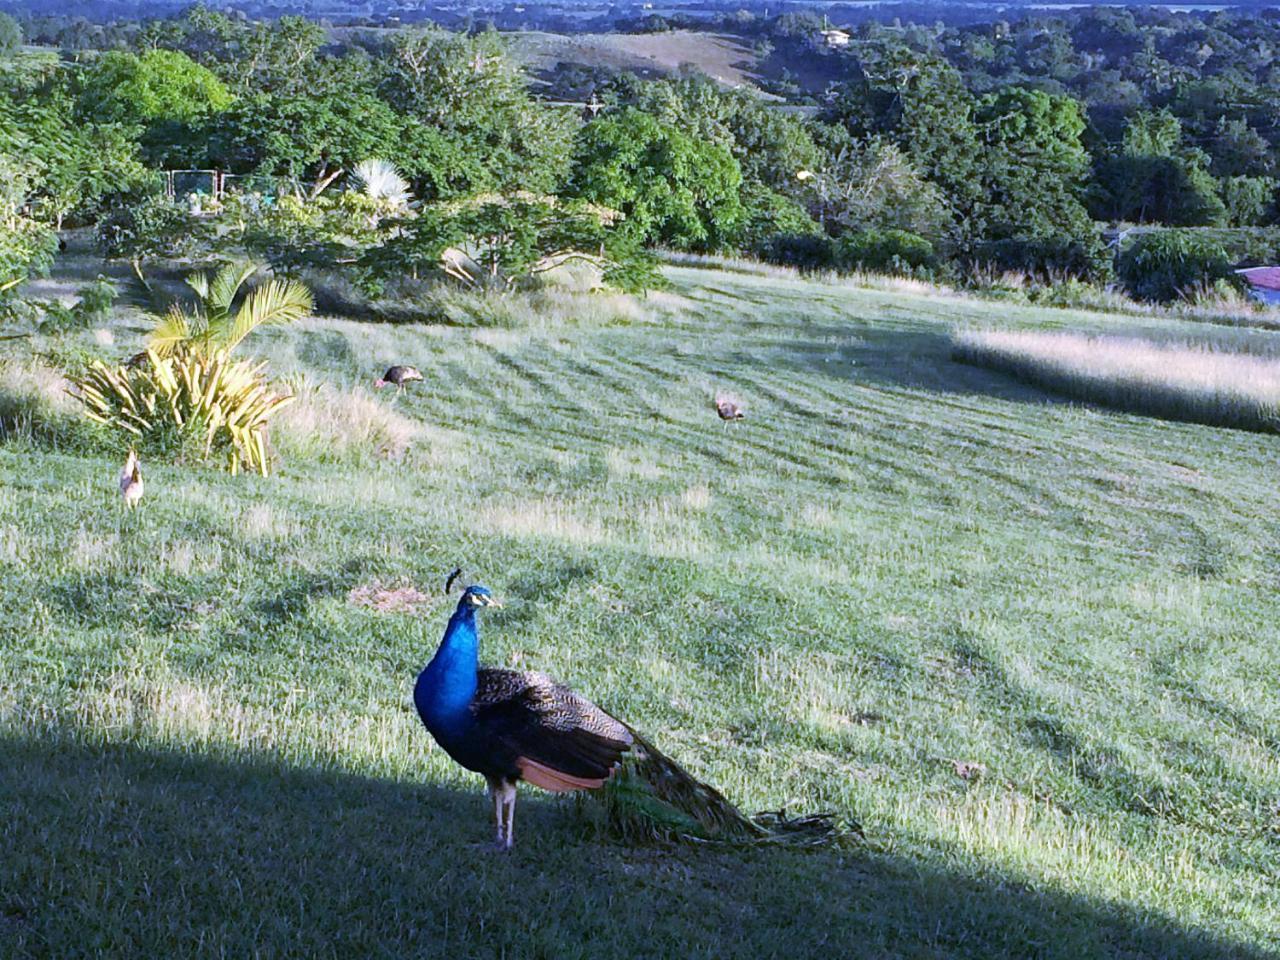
399,376
728,408
510,725
131,480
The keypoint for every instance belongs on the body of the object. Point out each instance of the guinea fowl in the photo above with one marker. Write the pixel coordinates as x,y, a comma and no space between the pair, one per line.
511,725
131,480
399,376
727,409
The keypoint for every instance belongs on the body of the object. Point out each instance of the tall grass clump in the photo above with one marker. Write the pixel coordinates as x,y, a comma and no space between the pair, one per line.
35,408
558,298
326,424
1178,381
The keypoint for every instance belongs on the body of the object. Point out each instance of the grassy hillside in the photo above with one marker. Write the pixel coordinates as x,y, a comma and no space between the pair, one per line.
725,58
898,570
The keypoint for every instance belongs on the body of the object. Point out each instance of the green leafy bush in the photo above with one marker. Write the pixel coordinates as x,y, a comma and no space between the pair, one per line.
27,247
884,251
93,308
500,243
1164,265
1050,256
805,251
766,214
148,228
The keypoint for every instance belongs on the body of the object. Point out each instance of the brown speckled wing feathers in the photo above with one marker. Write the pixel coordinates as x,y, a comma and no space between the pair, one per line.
565,741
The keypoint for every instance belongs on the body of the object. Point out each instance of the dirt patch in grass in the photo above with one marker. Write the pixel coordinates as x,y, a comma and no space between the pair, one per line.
393,598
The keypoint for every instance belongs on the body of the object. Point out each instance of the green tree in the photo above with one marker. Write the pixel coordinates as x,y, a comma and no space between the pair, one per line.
144,229
77,164
1249,200
874,186
159,85
920,103
303,136
771,147
1033,169
671,188
1156,178
474,94
27,247
767,214
498,243
10,36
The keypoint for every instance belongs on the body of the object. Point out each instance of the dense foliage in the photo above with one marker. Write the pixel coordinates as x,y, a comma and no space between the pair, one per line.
1005,143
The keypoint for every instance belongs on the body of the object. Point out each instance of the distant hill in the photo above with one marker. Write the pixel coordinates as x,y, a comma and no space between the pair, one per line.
724,57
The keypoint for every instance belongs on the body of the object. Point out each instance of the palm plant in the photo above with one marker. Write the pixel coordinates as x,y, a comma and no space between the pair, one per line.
217,324
380,181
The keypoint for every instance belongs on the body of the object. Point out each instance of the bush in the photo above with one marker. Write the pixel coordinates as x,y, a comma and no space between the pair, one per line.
146,229
804,251
1049,257
1162,266
884,251
1249,200
767,214
93,309
184,407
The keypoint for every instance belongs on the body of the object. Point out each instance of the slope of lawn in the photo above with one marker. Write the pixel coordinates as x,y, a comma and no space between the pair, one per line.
1030,646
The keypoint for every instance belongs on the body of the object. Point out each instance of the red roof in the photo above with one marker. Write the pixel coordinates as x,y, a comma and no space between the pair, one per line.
1264,278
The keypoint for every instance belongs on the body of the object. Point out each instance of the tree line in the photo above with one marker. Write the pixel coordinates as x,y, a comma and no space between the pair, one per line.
929,150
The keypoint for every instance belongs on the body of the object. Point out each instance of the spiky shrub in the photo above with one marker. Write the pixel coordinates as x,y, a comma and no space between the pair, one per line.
186,405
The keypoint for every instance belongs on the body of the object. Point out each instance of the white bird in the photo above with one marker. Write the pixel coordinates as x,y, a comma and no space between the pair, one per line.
131,480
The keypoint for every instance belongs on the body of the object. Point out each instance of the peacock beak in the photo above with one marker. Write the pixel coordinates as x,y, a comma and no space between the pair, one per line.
493,602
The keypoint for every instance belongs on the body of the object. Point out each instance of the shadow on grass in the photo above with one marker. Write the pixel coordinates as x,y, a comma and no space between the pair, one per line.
912,359
122,851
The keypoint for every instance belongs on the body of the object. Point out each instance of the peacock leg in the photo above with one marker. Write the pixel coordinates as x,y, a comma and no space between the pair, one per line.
509,805
496,795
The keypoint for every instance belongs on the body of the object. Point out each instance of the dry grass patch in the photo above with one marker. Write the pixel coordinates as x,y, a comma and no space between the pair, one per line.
1179,381
91,550
697,497
396,598
340,426
632,462
261,522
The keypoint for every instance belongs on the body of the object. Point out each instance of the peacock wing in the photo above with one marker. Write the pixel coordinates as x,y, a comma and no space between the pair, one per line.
561,741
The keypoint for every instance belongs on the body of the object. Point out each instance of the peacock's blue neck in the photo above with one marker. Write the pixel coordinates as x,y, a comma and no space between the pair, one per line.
447,686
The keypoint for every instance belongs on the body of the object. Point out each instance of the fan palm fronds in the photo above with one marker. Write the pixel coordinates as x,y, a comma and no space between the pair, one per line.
379,180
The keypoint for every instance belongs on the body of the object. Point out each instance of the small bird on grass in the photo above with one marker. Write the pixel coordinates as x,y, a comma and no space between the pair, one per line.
511,725
399,376
131,480
729,409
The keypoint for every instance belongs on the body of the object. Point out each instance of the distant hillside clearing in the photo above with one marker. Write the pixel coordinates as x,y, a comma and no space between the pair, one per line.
724,58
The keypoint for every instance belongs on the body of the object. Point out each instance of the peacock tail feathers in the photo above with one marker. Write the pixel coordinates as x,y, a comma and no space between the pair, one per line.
653,798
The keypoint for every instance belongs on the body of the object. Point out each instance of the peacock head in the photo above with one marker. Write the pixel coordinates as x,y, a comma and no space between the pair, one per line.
477,596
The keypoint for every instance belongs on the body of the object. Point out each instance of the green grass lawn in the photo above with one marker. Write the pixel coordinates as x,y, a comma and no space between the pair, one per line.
896,565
